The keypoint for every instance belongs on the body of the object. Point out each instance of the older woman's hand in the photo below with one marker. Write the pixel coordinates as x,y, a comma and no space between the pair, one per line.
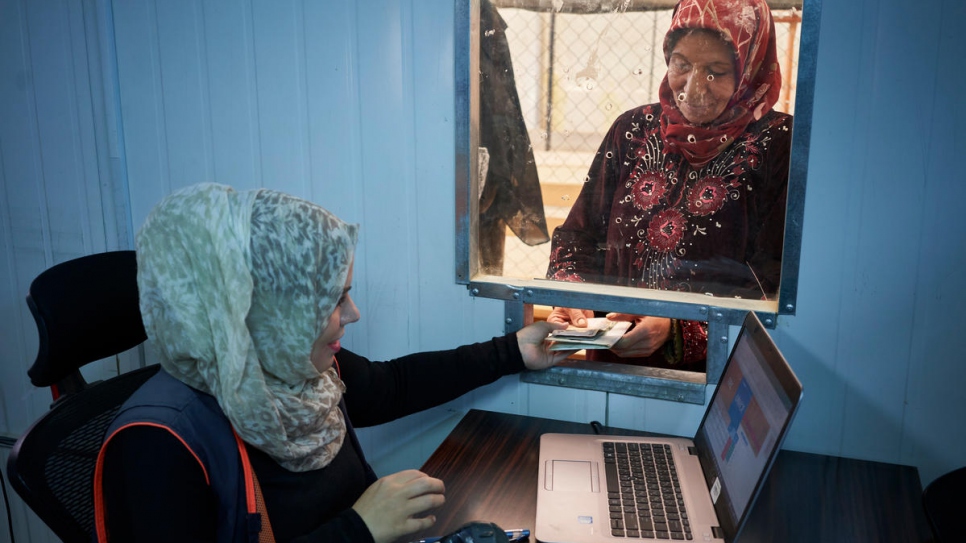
536,352
645,337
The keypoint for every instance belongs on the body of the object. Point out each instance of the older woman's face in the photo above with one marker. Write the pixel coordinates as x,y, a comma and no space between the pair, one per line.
327,344
701,74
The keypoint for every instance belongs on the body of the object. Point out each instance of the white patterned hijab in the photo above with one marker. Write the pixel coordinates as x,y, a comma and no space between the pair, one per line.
234,289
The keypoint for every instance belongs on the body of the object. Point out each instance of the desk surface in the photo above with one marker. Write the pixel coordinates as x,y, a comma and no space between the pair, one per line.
489,465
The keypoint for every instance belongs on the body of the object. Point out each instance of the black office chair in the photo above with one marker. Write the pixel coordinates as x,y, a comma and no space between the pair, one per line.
86,309
945,503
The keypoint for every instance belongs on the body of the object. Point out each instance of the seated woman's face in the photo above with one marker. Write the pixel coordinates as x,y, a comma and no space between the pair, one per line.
701,74
327,344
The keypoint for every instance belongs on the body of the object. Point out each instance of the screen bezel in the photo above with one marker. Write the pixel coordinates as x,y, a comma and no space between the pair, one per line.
752,330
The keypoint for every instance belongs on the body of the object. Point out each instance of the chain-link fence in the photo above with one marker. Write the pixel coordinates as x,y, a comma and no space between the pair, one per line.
575,73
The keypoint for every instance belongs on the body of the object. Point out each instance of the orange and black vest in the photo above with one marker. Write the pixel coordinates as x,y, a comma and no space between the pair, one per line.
199,423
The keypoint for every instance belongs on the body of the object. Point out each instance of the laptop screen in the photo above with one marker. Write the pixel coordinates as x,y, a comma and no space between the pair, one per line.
746,423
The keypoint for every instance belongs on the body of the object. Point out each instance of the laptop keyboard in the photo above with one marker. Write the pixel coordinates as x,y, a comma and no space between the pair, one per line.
643,492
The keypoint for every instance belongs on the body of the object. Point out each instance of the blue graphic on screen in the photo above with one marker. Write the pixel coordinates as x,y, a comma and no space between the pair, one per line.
736,411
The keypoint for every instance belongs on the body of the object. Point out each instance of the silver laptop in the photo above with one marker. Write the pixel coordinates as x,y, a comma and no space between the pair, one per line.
596,488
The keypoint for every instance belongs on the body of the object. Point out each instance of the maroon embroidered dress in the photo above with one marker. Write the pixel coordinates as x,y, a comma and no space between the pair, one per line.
672,206
647,218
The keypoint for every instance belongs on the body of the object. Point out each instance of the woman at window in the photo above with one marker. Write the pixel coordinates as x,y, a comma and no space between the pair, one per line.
687,194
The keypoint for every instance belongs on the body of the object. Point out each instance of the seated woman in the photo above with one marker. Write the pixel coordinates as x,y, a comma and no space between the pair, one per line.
687,194
247,429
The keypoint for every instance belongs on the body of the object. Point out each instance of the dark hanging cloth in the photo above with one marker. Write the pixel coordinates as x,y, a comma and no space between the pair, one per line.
511,194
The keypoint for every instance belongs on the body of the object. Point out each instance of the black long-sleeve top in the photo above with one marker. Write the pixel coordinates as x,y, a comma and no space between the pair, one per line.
155,490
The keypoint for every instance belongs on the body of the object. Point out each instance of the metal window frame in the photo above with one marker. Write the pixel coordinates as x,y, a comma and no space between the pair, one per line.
720,313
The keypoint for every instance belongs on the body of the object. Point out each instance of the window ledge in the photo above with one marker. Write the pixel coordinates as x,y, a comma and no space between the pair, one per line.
644,382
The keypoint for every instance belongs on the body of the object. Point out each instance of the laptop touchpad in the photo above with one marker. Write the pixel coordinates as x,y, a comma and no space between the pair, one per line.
572,476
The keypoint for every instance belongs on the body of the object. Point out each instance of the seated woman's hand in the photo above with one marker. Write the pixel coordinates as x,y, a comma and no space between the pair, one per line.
397,505
566,315
645,337
535,350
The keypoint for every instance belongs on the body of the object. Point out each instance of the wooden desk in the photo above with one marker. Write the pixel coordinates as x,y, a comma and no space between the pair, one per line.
489,464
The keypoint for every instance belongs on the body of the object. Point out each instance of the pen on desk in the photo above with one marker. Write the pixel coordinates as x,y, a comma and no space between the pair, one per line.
517,535
512,535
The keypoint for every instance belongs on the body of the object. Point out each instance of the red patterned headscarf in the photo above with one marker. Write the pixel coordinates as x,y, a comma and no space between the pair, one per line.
748,27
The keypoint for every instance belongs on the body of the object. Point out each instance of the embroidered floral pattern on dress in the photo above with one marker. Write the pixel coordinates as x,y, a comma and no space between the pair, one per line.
666,229
707,196
564,275
565,271
648,190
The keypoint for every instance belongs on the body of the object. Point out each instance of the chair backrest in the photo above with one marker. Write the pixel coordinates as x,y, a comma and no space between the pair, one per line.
51,466
944,502
86,309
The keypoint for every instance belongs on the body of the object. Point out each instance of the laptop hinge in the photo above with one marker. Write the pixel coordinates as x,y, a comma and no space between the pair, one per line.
717,532
693,451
